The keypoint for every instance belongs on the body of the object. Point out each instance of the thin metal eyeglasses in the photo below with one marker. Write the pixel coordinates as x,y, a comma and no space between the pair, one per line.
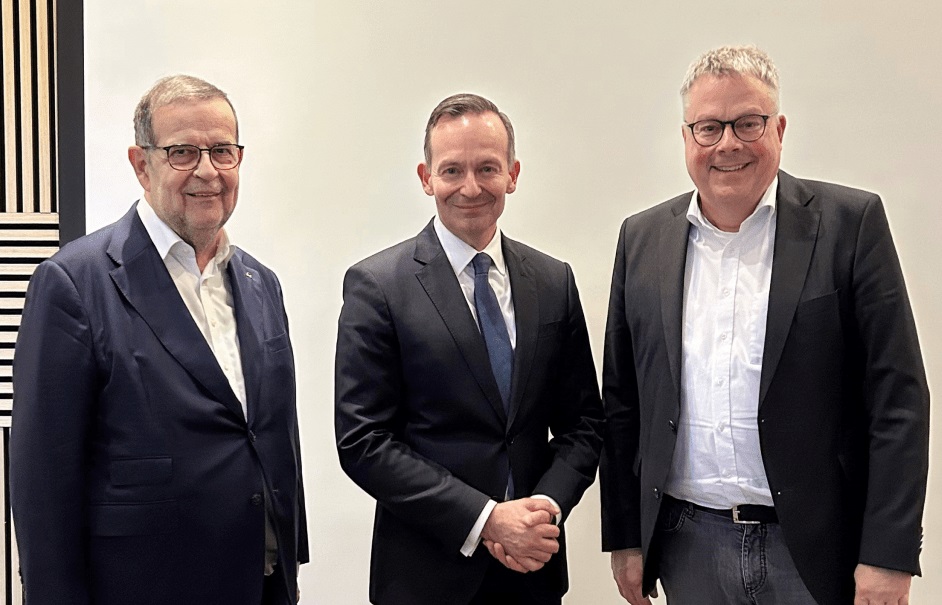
747,129
187,157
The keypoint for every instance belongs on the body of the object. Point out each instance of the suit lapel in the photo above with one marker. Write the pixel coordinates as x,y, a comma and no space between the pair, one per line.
526,317
142,278
438,279
672,260
249,311
796,232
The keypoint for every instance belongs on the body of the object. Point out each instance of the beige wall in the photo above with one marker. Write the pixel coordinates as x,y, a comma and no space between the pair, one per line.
333,96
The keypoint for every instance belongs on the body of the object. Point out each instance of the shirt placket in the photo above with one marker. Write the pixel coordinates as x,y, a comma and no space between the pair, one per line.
722,364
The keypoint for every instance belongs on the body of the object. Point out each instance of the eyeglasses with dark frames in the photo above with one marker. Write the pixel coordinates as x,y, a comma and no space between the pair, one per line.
747,129
187,157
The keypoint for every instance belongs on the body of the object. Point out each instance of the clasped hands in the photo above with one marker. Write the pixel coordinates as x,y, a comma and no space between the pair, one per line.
521,534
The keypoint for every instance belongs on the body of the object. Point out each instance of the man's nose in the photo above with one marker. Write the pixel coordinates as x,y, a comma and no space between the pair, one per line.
470,187
204,166
728,139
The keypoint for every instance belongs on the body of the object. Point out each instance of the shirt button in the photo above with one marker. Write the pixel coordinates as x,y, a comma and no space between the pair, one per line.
723,336
725,291
719,381
257,499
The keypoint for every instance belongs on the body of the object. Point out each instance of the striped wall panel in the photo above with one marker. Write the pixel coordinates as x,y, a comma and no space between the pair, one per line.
29,211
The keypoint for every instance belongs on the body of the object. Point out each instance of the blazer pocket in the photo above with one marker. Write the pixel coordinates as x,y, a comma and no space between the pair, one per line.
818,305
278,343
550,329
141,471
133,518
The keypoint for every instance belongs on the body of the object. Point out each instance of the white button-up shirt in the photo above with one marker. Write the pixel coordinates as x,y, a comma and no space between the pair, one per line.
207,294
717,460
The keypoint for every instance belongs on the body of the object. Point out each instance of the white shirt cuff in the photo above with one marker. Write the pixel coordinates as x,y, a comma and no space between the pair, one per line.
474,536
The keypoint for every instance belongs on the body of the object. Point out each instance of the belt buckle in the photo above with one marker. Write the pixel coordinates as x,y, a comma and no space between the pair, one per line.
739,521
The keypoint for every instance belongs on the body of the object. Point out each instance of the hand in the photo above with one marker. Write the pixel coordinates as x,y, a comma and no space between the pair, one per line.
521,534
627,569
880,586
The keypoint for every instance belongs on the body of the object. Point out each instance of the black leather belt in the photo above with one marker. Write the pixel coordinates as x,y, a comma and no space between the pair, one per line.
743,514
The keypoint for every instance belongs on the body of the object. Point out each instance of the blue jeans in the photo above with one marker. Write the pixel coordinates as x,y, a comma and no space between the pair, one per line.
706,559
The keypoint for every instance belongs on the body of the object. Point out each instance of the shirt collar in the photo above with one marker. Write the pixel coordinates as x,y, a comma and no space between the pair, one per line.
166,239
768,200
459,253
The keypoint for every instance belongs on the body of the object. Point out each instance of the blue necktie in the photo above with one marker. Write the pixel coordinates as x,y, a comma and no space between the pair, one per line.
496,339
493,328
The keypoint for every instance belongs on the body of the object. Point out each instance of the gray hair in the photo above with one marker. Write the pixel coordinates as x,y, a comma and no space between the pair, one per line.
459,105
728,60
169,90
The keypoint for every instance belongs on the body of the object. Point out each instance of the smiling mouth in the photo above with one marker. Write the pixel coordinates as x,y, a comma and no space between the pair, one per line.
735,168
204,193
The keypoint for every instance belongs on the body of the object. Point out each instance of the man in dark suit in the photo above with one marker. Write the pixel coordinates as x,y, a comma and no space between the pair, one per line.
154,449
766,402
458,351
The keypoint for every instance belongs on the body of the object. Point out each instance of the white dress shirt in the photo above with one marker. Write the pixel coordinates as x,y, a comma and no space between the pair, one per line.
207,294
460,254
717,460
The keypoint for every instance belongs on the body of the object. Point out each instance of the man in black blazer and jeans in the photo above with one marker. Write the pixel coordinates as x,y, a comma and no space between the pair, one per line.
766,401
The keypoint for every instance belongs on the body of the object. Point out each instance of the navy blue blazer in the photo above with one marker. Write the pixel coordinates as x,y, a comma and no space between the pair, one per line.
135,477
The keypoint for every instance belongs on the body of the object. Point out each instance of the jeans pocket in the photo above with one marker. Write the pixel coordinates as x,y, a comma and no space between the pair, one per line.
672,517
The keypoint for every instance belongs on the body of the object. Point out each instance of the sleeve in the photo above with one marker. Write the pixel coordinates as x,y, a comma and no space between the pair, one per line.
897,400
369,403
619,477
577,422
55,390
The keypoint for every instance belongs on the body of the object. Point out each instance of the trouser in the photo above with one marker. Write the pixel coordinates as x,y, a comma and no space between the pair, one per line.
707,559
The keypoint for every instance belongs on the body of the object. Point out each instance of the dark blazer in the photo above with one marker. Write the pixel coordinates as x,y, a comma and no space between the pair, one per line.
843,401
420,423
135,477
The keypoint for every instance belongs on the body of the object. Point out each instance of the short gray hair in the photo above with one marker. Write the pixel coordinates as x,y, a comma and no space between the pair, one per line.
727,60
169,90
459,105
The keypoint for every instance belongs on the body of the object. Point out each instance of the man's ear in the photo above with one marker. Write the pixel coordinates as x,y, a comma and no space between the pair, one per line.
425,175
514,173
138,158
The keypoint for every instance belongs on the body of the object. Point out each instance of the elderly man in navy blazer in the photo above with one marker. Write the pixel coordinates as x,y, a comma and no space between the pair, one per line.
766,399
467,402
154,449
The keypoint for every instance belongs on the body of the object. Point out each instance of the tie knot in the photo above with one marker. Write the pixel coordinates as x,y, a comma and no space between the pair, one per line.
481,262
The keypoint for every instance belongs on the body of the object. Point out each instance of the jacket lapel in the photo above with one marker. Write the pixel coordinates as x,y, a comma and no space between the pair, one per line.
796,232
249,312
527,318
142,278
439,281
672,261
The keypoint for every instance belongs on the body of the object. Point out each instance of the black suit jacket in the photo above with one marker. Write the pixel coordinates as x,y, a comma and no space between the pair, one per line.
420,423
843,401
135,477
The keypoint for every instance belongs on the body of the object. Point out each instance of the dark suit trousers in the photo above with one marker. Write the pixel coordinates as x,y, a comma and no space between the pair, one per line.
502,585
274,591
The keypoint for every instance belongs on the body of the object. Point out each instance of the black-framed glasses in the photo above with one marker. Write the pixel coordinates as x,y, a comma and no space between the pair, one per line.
187,157
708,133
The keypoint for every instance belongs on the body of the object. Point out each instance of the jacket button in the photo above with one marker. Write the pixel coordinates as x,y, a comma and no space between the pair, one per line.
673,425
657,494
257,499
251,436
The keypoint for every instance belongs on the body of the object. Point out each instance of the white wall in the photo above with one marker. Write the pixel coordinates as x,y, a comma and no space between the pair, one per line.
333,97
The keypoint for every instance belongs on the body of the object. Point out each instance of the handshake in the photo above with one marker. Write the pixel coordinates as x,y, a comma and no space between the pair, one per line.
522,534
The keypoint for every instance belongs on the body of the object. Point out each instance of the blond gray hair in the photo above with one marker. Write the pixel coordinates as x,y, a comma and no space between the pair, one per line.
729,60
169,90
